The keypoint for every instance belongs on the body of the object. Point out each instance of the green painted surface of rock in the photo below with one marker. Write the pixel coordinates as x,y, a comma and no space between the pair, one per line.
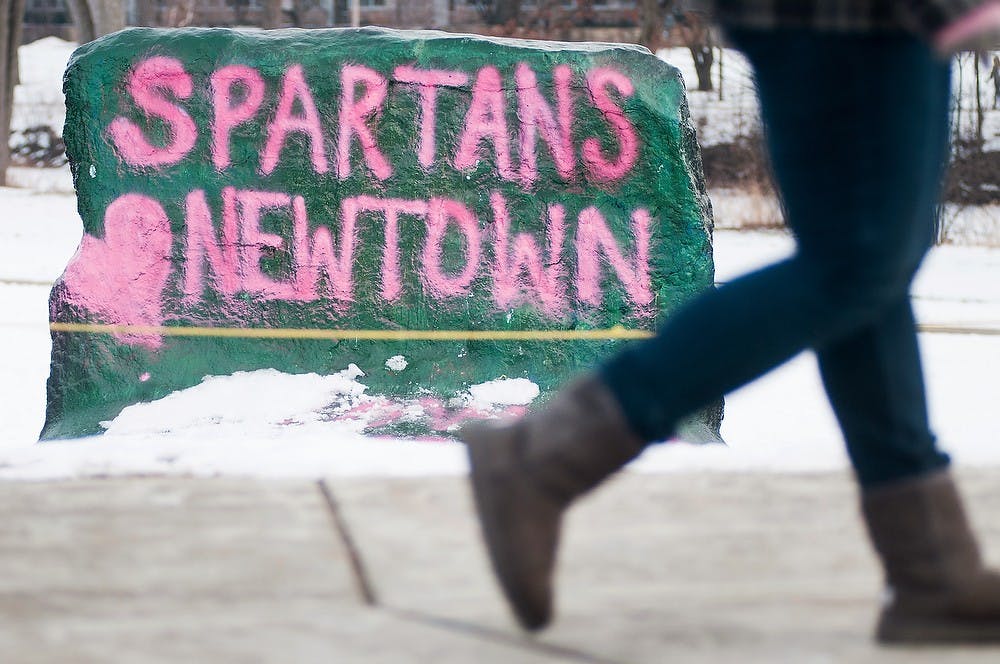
295,183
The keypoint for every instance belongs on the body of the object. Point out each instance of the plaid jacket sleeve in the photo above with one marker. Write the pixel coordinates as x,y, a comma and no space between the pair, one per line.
921,16
825,15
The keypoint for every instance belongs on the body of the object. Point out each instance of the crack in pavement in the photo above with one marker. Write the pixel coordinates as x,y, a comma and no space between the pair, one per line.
366,590
358,569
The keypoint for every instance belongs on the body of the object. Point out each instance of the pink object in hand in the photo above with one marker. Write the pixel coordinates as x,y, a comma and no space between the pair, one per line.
969,29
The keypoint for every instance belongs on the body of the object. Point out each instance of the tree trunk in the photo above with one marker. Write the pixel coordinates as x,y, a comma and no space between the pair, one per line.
146,13
697,35
652,17
299,9
704,58
94,18
722,72
79,10
980,114
507,11
12,18
958,102
499,12
272,14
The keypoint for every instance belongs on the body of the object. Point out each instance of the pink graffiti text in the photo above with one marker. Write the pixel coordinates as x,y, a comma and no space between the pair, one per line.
159,87
521,272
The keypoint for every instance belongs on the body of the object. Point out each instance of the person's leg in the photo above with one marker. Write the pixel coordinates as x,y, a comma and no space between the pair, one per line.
873,376
839,143
858,252
854,173
941,591
874,381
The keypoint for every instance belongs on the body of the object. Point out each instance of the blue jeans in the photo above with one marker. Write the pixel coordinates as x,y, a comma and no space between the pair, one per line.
857,130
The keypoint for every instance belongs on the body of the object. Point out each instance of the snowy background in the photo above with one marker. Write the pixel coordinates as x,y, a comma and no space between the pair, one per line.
235,425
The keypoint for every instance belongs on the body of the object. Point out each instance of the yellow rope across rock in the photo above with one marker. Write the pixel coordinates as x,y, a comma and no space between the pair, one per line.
616,332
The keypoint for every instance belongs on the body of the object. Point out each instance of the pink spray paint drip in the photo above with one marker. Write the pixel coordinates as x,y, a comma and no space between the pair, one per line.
373,412
149,84
120,278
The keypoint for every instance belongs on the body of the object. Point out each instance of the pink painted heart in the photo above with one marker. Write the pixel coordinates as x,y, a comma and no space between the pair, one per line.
121,278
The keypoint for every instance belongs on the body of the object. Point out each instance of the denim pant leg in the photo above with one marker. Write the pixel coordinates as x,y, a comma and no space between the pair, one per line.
874,381
856,132
894,95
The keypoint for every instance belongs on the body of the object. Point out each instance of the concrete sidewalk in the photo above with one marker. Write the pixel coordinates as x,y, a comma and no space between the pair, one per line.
671,568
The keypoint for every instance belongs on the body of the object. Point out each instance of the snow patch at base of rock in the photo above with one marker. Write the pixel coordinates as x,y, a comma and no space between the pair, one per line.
504,392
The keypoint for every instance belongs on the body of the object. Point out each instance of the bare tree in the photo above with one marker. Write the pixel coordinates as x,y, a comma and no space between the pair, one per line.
693,28
542,19
178,13
499,12
980,114
301,10
241,11
697,34
652,18
94,18
413,14
11,21
147,12
272,14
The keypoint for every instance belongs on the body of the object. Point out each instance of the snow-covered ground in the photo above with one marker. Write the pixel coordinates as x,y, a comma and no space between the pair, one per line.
38,100
234,425
719,118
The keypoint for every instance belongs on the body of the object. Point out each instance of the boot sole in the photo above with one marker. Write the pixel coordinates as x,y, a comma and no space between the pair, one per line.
895,630
529,614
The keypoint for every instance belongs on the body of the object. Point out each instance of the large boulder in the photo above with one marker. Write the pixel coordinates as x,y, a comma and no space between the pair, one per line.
307,200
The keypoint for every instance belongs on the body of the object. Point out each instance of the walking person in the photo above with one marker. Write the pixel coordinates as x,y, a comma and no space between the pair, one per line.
860,181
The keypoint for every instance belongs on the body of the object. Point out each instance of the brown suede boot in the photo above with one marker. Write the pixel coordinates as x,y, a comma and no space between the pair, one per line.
941,593
525,473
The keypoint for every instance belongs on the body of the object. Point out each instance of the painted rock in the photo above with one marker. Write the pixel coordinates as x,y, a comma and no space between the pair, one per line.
468,208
